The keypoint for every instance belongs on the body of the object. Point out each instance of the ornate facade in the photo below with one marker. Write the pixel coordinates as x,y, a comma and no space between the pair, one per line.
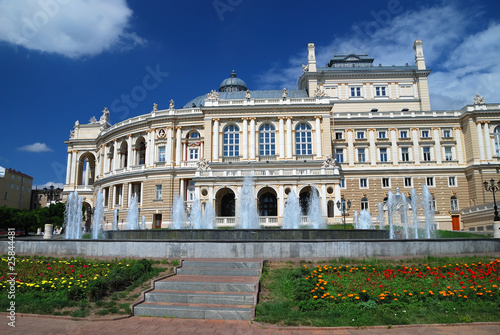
352,130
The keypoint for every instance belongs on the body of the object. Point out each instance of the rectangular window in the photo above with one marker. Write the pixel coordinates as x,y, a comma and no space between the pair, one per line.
342,183
452,181
339,135
364,204
454,204
158,192
383,154
339,155
193,154
408,182
356,91
360,135
433,204
361,155
363,183
429,181
380,91
161,154
447,133
448,154
6,196
405,154
405,90
427,153
386,182
425,134
11,186
382,134
403,134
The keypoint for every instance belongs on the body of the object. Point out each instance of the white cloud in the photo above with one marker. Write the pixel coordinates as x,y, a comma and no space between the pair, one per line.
50,183
70,28
35,147
464,63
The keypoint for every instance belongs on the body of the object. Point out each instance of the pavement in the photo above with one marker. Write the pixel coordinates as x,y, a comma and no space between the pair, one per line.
41,325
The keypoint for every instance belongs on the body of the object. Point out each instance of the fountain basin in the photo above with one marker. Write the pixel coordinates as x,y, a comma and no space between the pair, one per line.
247,234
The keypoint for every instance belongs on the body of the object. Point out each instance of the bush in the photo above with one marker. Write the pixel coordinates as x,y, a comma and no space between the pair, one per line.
98,288
76,293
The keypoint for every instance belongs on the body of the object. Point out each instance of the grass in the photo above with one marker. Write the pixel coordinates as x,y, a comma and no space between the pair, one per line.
309,294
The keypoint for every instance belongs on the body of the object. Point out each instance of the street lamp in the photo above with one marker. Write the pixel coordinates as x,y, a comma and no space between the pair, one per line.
344,206
51,193
492,187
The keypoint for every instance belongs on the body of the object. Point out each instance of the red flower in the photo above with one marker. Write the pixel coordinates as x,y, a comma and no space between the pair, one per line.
72,270
81,276
49,268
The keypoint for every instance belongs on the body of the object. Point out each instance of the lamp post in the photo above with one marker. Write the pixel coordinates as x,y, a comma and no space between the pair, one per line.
493,188
344,206
52,193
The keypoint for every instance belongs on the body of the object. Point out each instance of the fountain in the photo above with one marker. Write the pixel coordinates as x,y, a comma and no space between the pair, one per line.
414,207
209,216
365,220
143,223
196,218
404,214
355,220
316,220
381,217
98,215
247,216
428,210
390,210
292,215
178,214
115,219
73,216
133,215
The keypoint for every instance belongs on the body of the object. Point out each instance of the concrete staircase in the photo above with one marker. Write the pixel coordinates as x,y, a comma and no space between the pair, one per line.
205,290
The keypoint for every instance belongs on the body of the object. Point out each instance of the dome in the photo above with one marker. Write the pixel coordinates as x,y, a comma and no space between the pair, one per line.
232,84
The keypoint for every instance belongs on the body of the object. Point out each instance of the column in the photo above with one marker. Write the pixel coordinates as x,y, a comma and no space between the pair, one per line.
216,140
458,137
106,159
129,152
394,146
281,135
182,190
152,148
324,210
86,175
338,198
178,148
487,140
184,152
319,153
437,145
252,138
68,168
98,162
281,202
142,192
116,161
373,147
169,145
350,147
244,140
129,193
416,148
289,137
114,196
480,141
104,197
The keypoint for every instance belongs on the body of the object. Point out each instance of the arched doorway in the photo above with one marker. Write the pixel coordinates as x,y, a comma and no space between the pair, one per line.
268,202
87,216
305,196
225,202
86,169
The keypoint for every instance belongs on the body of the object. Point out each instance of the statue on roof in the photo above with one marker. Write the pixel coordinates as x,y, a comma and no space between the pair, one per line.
155,107
172,104
285,93
77,123
305,68
104,119
93,120
213,95
247,95
319,92
479,100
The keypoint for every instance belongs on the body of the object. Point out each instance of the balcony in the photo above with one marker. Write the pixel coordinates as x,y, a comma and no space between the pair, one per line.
231,159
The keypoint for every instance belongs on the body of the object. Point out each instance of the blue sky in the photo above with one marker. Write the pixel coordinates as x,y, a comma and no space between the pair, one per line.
65,60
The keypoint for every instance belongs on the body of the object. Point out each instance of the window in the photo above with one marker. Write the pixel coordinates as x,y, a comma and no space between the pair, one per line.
11,186
364,204
6,196
194,154
383,154
342,183
405,90
452,181
17,187
363,183
303,142
339,135
408,182
360,135
382,134
231,146
339,155
161,154
267,141
448,154
194,134
427,153
405,154
496,133
454,203
403,134
380,91
158,192
447,133
355,91
429,181
361,155
433,204
386,182
425,134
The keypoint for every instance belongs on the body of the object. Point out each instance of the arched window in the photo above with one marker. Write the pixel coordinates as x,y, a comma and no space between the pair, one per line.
454,203
497,140
303,142
267,141
231,146
364,203
330,208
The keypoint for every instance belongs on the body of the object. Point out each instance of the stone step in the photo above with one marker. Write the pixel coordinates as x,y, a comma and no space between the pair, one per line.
229,312
212,271
205,286
220,298
221,264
